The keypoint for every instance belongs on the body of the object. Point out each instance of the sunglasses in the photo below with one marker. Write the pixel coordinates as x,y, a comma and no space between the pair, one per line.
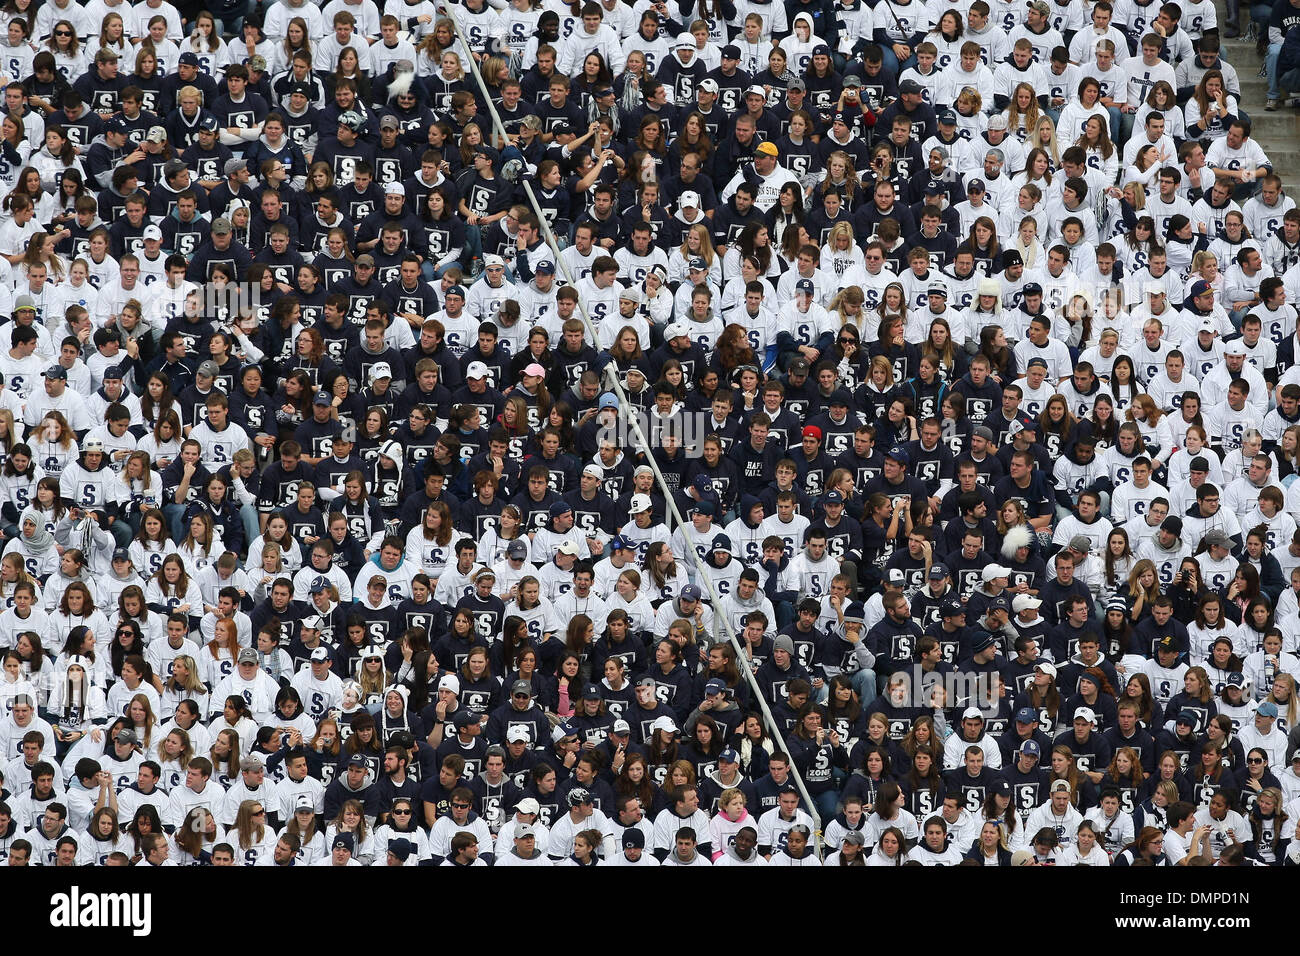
460,806
62,33
400,813
1254,760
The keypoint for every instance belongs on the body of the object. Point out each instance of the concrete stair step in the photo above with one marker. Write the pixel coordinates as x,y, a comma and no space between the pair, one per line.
1285,123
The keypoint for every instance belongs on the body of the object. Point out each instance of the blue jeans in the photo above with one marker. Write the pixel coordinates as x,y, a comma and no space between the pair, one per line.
1288,81
890,60
1115,120
1261,13
230,16
864,682
1270,61
249,516
121,532
828,802
1125,127
175,515
431,272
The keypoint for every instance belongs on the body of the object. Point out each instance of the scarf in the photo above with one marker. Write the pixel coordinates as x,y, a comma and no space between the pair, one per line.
41,540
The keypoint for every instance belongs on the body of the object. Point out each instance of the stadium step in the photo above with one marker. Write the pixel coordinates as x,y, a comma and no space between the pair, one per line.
1277,133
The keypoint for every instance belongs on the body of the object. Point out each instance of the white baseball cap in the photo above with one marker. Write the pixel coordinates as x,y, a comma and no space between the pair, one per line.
639,503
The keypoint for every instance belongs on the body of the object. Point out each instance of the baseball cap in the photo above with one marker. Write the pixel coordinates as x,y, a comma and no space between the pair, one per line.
1030,748
1216,538
938,572
1023,602
767,148
54,371
994,571
247,656
517,549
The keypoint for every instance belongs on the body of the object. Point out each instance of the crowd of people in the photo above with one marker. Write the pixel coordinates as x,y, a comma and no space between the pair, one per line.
357,365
